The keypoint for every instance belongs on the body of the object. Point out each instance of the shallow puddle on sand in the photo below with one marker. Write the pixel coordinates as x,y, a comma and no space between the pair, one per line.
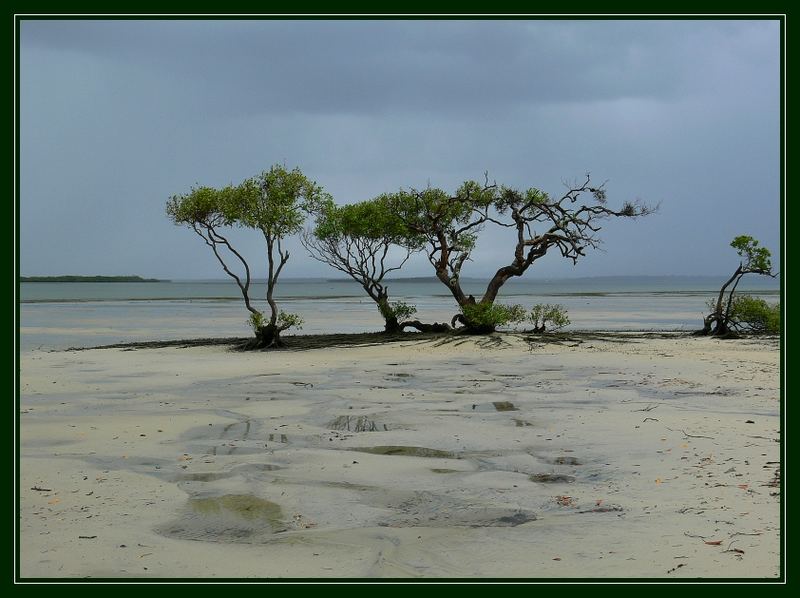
227,518
407,451
258,467
213,476
464,518
243,505
428,509
207,476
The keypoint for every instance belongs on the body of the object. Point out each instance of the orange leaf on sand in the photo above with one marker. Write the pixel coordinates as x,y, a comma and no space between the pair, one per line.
743,486
713,542
658,480
53,501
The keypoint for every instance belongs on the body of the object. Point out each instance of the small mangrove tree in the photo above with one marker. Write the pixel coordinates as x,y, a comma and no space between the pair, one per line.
276,203
366,242
731,313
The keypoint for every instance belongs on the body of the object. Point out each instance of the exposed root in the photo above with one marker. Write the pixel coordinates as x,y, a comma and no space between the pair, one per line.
435,327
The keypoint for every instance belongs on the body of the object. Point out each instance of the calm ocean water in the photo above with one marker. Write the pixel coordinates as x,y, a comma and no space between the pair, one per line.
61,315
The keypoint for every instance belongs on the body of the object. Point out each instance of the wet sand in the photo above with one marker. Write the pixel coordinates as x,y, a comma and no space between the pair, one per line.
617,456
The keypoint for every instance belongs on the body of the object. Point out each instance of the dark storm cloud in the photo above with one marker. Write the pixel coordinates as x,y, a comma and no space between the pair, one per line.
118,115
374,67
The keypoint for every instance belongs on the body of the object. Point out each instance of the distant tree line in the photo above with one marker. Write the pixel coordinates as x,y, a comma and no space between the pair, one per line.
70,278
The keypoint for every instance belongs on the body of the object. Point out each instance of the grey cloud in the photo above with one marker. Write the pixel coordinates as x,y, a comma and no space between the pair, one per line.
117,116
443,67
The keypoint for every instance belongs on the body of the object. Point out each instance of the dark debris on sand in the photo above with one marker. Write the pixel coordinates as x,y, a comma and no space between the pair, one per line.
304,342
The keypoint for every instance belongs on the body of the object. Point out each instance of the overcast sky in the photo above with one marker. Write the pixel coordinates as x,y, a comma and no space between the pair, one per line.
116,116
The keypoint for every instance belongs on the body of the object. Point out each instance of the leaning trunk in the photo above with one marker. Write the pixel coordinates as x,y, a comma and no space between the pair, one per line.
716,323
493,288
454,286
273,307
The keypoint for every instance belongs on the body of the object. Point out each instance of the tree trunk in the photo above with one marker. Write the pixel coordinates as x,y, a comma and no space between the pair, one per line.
392,326
267,337
497,281
736,274
722,330
716,323
453,285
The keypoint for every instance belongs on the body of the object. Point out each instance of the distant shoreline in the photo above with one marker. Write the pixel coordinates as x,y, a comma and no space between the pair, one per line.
88,279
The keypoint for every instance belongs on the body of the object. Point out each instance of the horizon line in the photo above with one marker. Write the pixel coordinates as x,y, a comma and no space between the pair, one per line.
396,279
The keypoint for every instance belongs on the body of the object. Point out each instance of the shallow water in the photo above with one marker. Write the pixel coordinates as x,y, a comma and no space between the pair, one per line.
407,451
62,315
226,518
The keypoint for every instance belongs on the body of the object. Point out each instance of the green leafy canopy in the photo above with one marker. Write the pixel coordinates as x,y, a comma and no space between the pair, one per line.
372,219
397,309
277,201
205,206
756,258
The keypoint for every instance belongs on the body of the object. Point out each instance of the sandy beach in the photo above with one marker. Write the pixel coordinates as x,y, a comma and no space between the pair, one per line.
601,456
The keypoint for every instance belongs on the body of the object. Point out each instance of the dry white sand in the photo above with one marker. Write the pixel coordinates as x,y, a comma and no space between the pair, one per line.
646,458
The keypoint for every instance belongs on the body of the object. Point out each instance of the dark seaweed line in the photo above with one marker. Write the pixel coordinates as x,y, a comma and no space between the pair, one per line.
302,342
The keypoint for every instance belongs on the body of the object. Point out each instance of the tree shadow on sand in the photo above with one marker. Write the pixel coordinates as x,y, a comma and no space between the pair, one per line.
495,340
